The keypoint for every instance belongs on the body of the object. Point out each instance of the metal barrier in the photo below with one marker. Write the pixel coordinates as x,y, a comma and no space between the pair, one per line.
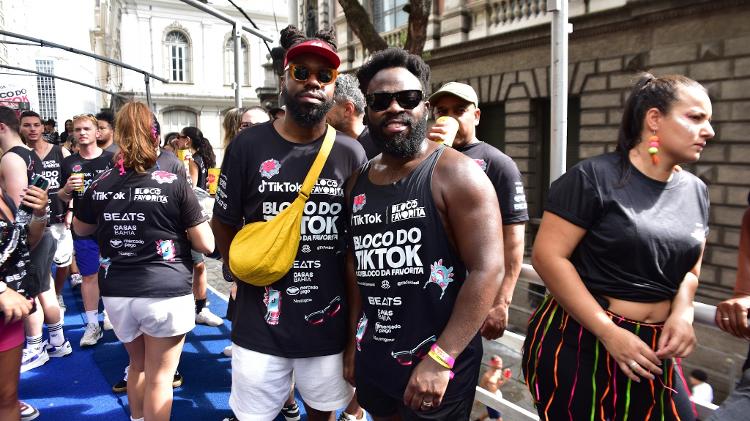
704,314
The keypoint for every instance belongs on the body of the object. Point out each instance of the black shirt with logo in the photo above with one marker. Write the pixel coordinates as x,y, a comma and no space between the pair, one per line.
642,235
302,314
90,168
409,277
141,224
506,178
51,169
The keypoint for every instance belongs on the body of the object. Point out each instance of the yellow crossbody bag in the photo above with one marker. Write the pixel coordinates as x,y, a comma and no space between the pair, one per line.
263,252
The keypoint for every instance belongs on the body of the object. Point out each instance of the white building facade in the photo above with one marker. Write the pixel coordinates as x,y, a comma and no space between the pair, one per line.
52,98
191,49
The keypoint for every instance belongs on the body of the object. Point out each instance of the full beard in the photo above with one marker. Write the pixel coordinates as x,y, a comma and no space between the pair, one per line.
402,145
305,114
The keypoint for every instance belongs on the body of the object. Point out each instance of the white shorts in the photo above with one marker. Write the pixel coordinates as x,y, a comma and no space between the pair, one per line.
64,239
157,317
261,383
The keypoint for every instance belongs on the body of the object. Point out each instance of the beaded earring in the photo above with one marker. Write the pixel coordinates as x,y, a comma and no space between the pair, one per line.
653,148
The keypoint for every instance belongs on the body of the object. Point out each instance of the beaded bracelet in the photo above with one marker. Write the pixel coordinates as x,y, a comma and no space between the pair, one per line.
443,356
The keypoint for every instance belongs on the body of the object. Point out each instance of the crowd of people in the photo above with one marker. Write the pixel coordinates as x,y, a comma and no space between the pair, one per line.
408,255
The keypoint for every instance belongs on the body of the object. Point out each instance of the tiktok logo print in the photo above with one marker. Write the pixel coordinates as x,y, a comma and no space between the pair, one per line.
361,328
269,168
359,202
440,276
272,300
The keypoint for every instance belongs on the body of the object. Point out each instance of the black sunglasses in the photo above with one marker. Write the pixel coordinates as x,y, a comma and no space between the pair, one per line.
301,73
380,101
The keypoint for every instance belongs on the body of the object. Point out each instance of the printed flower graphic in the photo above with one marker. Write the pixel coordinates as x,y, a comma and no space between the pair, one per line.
269,168
482,164
359,202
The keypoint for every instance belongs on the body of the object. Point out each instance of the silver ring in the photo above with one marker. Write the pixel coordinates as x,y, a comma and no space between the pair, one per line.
427,404
633,364
725,318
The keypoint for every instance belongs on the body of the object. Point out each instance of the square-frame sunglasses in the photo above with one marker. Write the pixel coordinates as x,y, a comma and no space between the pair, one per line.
408,99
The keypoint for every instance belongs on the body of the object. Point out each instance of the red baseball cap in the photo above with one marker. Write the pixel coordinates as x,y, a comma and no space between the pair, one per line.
314,46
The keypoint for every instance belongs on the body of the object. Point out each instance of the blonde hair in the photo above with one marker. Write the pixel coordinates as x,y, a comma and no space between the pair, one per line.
231,124
90,117
134,134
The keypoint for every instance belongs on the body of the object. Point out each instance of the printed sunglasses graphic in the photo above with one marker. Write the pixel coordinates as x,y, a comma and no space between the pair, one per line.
319,317
406,358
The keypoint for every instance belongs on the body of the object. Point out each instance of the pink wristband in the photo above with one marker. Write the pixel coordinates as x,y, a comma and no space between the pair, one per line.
447,359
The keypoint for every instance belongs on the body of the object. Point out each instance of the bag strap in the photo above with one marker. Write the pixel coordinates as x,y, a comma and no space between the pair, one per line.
312,176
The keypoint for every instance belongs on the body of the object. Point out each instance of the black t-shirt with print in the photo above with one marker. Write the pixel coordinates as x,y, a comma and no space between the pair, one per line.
168,161
90,168
506,178
642,235
302,314
51,169
141,230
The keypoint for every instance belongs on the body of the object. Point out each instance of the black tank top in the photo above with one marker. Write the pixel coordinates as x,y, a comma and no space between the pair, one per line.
409,276
202,171
52,171
15,260
33,163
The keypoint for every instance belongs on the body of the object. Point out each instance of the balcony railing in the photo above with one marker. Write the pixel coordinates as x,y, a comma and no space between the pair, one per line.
704,314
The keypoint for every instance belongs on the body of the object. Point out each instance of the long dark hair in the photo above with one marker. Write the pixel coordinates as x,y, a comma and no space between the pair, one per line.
201,145
649,92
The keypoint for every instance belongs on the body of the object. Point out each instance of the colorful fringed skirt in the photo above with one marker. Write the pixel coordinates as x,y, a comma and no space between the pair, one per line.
572,377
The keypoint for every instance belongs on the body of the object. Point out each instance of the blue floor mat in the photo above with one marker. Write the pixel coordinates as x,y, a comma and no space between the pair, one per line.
78,386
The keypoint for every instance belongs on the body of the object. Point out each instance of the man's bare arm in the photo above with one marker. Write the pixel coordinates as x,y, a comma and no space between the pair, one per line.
497,319
14,176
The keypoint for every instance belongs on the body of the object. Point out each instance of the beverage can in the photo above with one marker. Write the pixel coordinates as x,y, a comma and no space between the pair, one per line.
213,180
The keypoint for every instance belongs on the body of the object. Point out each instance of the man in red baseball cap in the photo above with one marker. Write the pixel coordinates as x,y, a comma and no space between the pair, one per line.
297,325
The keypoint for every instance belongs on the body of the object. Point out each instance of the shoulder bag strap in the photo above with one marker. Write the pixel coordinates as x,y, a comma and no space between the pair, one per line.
317,166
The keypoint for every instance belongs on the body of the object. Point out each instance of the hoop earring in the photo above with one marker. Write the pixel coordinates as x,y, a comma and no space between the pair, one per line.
653,148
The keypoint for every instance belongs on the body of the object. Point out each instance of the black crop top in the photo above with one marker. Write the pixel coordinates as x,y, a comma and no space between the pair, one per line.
642,235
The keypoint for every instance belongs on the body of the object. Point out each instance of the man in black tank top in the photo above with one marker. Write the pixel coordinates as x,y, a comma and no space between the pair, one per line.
460,101
425,253
42,256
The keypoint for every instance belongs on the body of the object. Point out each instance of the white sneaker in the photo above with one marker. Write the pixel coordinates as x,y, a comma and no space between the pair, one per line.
106,324
205,317
227,351
76,279
34,357
92,334
349,417
59,351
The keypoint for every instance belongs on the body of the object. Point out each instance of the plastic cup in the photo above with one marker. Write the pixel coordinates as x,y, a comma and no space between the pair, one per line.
450,124
82,177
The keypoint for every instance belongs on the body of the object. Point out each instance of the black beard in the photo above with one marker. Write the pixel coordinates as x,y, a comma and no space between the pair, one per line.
306,115
402,145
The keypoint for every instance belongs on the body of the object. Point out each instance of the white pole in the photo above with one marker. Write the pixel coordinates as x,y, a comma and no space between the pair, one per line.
293,13
559,84
237,65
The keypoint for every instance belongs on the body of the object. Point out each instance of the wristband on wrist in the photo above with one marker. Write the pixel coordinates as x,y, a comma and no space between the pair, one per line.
442,356
442,364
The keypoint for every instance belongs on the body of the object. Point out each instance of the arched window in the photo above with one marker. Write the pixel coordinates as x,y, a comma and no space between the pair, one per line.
229,61
178,53
175,119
